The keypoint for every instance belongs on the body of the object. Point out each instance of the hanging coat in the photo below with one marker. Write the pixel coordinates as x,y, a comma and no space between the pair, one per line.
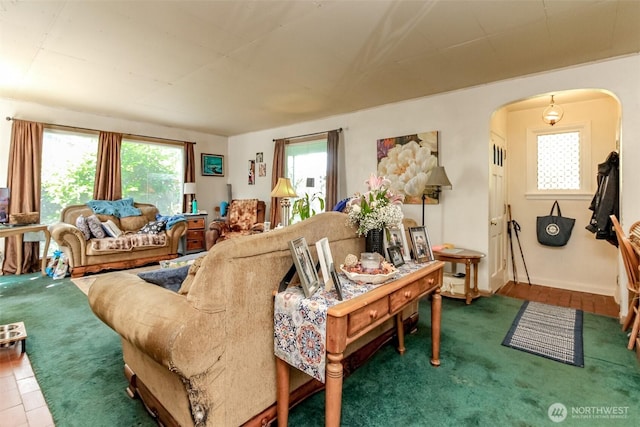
606,201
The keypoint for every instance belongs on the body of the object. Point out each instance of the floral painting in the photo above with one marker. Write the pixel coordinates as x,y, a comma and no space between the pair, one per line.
406,161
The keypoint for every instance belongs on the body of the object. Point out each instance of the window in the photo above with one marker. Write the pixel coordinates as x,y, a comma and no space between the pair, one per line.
306,167
153,173
559,162
68,171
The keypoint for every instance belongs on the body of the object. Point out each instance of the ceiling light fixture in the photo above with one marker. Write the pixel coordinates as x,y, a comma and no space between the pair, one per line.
553,113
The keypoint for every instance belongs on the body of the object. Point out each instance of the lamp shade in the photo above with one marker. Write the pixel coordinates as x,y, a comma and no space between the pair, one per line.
439,177
283,188
189,188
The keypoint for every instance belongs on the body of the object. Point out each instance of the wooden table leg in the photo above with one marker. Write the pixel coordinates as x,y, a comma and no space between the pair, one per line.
282,392
47,240
436,315
19,254
333,390
467,282
400,333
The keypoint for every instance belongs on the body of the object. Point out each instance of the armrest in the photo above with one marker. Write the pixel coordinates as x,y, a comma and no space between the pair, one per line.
258,228
69,237
218,226
160,323
175,233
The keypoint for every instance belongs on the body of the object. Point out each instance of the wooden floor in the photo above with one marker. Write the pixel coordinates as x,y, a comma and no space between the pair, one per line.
592,303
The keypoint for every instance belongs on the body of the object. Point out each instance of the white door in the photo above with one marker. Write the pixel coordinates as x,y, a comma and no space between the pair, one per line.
497,213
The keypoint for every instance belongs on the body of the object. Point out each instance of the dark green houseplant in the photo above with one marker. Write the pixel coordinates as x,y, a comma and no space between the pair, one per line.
302,207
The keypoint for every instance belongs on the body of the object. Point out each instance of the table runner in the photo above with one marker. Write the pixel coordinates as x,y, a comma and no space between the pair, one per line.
300,324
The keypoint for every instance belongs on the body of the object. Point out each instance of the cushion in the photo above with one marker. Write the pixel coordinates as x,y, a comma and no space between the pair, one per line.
96,227
168,278
111,229
81,223
153,227
171,219
132,223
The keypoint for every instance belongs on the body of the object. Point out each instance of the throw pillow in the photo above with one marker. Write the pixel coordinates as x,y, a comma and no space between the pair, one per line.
111,229
168,278
153,227
96,227
81,223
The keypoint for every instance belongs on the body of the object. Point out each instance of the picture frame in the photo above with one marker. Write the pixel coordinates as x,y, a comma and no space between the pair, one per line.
336,282
4,205
326,260
421,244
395,255
396,236
212,164
304,266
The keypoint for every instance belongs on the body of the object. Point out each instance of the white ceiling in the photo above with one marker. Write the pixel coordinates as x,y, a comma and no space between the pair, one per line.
230,67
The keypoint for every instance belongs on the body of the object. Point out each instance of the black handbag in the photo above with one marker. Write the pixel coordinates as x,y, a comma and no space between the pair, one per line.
554,230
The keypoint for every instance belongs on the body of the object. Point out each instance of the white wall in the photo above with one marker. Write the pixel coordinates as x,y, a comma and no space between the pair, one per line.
463,118
592,263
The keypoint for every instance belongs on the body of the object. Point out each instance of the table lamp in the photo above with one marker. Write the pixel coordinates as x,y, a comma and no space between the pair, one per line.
190,188
437,179
284,190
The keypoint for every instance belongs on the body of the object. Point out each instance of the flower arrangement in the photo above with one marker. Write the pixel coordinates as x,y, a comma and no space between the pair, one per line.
377,208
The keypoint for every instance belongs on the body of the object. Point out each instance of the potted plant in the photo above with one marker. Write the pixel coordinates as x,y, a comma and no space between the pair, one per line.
303,206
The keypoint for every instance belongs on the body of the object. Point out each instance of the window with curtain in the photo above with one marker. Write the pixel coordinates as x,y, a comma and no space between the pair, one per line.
151,172
306,167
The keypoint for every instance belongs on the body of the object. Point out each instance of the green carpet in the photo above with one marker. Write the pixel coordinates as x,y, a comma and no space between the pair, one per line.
78,363
76,358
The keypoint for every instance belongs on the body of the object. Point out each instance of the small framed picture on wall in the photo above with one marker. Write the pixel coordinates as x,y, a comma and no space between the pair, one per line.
212,165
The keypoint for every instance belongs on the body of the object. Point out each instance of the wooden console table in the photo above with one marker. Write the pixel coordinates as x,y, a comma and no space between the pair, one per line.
353,318
468,258
19,230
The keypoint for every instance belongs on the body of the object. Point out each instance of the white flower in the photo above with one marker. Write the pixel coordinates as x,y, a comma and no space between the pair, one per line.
377,208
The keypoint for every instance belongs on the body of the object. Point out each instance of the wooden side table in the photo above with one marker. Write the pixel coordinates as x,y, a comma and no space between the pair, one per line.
193,239
467,257
18,231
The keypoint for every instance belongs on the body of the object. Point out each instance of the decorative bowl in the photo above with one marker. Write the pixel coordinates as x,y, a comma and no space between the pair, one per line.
374,279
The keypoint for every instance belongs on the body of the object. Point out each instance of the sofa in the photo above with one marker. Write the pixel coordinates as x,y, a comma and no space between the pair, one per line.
204,356
245,216
131,249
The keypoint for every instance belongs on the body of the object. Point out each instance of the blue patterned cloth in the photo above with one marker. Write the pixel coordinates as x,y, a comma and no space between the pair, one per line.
118,208
300,324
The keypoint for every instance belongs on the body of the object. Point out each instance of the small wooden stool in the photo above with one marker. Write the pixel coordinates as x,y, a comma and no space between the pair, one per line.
12,333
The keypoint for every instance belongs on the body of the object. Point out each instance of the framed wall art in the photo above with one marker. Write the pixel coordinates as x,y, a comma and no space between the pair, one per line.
304,266
421,245
212,164
406,161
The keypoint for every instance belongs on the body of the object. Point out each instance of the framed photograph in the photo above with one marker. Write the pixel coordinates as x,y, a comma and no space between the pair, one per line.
252,173
421,244
395,255
395,236
336,281
304,266
212,164
326,260
259,157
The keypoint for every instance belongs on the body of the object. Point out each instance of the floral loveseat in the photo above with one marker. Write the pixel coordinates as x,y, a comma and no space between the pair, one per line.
90,253
246,216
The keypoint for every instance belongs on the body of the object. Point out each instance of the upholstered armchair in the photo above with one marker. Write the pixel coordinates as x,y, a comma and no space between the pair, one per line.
244,217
